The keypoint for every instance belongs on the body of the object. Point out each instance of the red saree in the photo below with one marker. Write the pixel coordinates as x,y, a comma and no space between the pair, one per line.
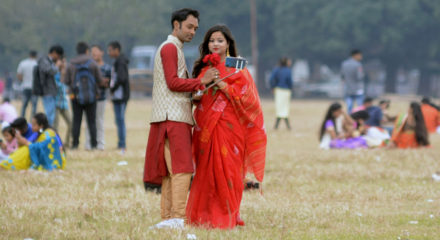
228,141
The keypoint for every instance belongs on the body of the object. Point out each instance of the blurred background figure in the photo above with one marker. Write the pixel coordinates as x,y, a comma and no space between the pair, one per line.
120,90
410,129
25,74
62,104
106,71
281,84
83,77
353,78
7,111
8,90
48,66
430,114
339,130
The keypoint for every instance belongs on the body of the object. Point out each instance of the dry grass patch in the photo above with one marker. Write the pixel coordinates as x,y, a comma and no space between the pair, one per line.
308,193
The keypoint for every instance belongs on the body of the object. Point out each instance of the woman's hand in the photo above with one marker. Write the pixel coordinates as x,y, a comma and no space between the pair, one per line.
222,85
196,97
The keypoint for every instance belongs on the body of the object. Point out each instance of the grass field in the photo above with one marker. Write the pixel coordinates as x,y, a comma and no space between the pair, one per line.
308,193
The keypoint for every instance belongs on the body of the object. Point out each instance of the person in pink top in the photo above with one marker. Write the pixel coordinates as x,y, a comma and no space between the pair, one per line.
9,144
7,111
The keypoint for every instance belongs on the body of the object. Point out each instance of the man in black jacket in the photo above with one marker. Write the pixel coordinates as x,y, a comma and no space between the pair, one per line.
120,90
48,66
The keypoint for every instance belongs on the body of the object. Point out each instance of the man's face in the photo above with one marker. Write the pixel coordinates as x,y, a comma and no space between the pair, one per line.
358,56
97,54
186,30
112,52
55,56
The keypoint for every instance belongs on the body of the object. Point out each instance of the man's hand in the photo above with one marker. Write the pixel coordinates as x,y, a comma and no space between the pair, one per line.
20,139
211,74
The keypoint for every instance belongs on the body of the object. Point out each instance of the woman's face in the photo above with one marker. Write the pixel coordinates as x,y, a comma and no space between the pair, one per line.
35,126
337,113
8,137
218,44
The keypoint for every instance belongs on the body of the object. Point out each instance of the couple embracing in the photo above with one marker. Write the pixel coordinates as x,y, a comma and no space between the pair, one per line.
228,139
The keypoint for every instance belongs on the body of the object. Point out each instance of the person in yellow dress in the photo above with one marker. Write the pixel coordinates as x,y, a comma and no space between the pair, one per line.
45,153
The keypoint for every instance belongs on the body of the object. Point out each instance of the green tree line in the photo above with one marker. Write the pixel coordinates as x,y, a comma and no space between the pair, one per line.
401,33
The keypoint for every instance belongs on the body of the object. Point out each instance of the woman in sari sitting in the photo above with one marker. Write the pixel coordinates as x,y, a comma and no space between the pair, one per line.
229,138
410,130
44,154
339,130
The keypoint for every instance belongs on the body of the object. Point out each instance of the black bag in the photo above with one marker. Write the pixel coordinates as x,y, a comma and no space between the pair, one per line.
37,85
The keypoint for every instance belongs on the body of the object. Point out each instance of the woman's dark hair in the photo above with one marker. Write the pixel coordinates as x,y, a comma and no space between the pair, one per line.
9,130
42,120
420,131
329,116
360,115
204,49
182,14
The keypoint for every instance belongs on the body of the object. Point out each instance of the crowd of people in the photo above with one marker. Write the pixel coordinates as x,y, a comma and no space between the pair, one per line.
81,86
368,125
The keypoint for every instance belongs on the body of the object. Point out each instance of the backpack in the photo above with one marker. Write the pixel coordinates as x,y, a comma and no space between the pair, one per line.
37,85
84,90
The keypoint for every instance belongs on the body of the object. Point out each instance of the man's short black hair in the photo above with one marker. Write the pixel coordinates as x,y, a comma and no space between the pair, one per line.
355,52
115,45
33,53
182,14
81,48
368,100
19,123
57,49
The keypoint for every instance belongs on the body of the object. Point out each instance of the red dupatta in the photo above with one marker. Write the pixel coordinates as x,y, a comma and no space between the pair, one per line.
243,95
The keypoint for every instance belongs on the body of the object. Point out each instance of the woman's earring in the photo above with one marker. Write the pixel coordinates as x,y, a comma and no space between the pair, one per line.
41,130
227,52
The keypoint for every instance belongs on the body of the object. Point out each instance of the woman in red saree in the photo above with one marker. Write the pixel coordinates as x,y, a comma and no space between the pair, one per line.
229,138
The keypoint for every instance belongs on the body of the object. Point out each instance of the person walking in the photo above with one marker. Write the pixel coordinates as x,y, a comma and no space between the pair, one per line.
353,78
48,66
83,77
106,69
281,85
25,74
120,90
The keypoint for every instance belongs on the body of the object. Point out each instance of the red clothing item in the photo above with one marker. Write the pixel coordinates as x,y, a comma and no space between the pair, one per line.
169,63
228,141
431,116
178,133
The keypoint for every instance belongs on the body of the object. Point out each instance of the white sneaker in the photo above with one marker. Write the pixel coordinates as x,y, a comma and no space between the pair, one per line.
173,223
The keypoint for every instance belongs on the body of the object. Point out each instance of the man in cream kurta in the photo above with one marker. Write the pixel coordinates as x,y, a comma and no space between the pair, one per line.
168,159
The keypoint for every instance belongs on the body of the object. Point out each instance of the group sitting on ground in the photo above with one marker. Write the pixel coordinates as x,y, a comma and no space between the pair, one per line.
31,146
369,126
